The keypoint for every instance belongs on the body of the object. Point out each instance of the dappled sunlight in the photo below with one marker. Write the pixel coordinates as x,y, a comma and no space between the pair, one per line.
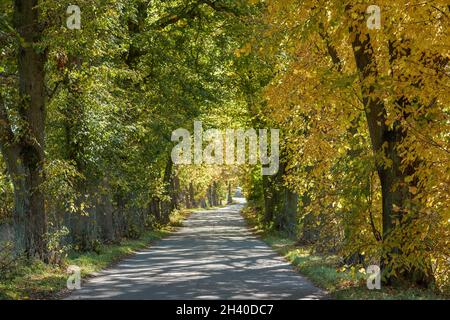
213,256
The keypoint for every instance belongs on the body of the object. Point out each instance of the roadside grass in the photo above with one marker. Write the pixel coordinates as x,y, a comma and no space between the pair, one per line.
324,270
42,281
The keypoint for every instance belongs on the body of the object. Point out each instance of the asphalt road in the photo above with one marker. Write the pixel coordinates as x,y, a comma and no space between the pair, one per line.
213,256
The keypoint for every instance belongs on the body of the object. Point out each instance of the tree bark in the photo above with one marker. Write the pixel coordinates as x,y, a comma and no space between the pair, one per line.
24,151
208,196
193,202
105,212
167,206
385,141
269,199
229,194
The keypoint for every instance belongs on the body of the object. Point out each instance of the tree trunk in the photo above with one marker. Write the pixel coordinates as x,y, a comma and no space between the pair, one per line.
395,191
30,222
229,195
105,212
209,196
193,203
155,208
167,206
215,194
203,203
285,206
24,154
187,200
175,192
289,223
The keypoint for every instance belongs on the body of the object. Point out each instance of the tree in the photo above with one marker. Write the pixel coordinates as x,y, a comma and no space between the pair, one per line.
23,146
333,72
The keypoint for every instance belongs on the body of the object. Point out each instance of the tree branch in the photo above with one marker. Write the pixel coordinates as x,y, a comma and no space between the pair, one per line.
192,12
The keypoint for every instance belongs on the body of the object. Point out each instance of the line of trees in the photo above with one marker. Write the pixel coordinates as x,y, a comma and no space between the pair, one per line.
86,115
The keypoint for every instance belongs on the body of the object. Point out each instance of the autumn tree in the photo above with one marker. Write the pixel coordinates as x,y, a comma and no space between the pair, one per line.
341,88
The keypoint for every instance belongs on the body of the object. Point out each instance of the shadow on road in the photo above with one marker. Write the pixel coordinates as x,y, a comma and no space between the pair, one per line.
213,256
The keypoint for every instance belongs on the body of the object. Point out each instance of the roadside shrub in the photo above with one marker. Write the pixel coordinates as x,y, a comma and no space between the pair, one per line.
9,261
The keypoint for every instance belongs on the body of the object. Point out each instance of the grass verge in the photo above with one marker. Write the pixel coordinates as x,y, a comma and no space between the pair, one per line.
324,271
43,281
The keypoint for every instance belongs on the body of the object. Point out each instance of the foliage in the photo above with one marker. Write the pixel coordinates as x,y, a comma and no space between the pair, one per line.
365,120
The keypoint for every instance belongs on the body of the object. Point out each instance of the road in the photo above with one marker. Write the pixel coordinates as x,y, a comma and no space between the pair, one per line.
213,256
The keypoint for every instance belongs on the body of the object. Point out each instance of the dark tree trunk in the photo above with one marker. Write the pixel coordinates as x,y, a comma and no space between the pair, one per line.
203,203
289,223
118,215
286,202
168,206
280,203
209,196
176,193
193,203
156,208
269,199
395,190
309,232
215,194
24,154
187,200
229,194
105,213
